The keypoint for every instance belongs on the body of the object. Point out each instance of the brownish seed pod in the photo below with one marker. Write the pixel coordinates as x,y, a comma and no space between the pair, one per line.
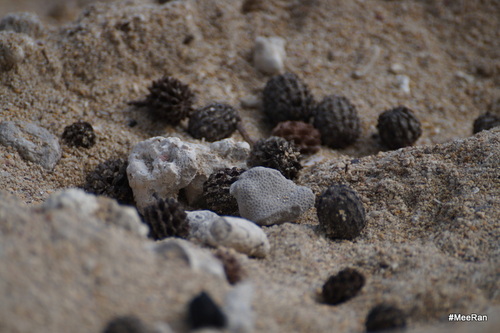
213,122
287,97
398,127
216,195
303,135
337,120
383,317
166,218
79,134
340,212
276,153
232,266
343,286
169,100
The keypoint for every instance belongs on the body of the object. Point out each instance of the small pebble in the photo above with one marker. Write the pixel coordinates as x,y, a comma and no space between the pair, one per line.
343,286
266,197
203,312
385,317
396,68
403,83
33,143
340,212
269,55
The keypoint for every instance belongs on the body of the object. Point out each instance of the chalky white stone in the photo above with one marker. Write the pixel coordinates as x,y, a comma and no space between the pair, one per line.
238,308
232,232
269,55
266,197
162,166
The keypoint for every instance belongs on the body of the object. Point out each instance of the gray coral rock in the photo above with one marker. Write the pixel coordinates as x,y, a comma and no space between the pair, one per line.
33,143
237,233
162,166
266,197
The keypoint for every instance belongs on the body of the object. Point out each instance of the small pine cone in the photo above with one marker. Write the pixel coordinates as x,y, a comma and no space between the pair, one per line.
169,100
485,122
214,122
79,134
166,218
343,286
398,127
340,212
303,135
232,267
110,179
337,120
216,191
276,153
384,317
286,97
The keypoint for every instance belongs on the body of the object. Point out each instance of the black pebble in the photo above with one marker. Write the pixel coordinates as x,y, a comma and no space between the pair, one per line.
203,312
385,317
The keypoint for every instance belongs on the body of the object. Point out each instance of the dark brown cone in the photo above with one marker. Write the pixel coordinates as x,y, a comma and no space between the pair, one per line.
166,218
303,135
398,127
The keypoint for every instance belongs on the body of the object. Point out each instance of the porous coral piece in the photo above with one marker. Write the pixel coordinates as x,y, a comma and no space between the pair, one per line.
163,166
213,122
398,127
266,197
166,218
337,120
169,100
305,137
232,232
109,178
216,196
277,153
79,134
384,317
287,97
485,121
340,212
343,286
232,266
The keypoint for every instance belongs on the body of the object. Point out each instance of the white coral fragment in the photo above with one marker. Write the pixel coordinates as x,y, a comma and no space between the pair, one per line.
269,55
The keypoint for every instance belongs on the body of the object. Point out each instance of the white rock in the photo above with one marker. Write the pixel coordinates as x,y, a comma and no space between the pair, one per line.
396,68
162,166
269,55
232,232
403,83
238,308
266,197
23,22
99,210
197,258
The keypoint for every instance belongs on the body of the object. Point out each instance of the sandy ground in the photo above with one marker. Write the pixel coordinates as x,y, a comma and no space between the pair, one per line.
432,241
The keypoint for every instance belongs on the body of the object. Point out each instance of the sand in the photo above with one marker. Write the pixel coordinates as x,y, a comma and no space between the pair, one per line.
431,245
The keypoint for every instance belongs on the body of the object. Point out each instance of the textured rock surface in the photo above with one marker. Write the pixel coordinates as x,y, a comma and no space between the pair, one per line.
239,234
163,166
33,143
266,197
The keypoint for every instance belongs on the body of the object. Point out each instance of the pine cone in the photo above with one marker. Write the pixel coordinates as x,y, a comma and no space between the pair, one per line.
337,120
485,122
216,191
398,127
110,179
169,100
213,122
276,153
385,317
286,97
166,218
79,134
340,212
303,135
